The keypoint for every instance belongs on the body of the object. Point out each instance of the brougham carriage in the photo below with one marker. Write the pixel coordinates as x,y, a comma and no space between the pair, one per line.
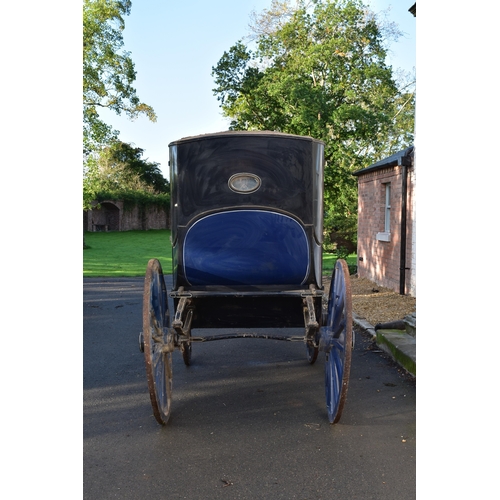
247,232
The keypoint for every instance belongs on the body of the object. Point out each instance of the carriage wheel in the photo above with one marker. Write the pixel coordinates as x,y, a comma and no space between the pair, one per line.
186,352
336,340
158,343
311,352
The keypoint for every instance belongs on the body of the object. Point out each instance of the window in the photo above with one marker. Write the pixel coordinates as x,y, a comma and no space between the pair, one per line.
387,220
385,235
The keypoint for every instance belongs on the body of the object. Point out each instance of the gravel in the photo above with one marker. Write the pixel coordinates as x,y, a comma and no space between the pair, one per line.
377,304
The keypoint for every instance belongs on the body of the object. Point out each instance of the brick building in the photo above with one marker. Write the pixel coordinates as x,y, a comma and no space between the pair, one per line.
387,223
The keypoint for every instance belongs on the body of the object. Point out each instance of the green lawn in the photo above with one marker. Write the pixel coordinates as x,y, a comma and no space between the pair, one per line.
127,253
330,259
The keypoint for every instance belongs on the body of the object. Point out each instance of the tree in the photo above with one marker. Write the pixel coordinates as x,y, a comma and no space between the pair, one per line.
319,69
119,168
108,71
148,172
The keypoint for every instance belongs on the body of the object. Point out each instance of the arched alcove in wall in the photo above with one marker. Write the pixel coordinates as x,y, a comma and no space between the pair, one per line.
106,218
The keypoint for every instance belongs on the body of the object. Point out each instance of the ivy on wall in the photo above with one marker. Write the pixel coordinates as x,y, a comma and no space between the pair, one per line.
131,199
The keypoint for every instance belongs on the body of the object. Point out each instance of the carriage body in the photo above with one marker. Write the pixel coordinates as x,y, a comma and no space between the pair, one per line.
247,227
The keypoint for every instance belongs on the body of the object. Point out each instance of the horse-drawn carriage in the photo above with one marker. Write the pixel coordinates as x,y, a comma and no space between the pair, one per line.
247,232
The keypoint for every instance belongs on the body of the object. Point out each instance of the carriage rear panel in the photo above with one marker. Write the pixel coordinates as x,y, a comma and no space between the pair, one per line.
247,210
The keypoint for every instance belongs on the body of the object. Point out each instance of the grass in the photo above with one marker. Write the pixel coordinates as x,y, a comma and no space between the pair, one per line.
126,253
329,260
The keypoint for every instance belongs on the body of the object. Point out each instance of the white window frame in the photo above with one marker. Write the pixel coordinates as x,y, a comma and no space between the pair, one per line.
387,209
386,234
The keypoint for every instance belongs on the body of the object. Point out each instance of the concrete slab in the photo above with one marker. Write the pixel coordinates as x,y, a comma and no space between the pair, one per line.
397,343
401,346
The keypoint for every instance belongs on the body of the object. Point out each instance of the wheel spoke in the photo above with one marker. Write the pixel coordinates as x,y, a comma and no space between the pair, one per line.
339,327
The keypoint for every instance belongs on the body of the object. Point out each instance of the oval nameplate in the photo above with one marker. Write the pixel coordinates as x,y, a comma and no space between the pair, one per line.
244,183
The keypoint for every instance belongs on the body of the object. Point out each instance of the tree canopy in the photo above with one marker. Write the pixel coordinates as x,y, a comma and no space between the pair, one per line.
319,69
112,167
108,70
148,172
119,170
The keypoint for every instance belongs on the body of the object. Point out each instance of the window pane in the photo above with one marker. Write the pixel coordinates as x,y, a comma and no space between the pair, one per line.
387,227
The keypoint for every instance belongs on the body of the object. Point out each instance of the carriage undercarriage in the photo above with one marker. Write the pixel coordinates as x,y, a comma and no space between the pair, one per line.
329,331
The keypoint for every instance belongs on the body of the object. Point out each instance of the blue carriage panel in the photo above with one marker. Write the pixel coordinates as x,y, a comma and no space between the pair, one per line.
246,247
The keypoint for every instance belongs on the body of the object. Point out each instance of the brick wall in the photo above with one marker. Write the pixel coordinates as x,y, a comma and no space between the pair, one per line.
379,260
113,216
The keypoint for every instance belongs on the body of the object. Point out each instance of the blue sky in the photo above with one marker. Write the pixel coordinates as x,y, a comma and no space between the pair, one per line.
174,46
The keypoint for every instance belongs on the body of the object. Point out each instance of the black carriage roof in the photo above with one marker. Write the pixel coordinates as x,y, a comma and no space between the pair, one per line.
247,133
